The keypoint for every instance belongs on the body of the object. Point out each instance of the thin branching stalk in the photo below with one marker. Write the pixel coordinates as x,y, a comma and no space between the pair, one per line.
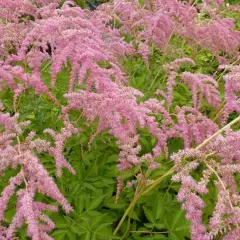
170,172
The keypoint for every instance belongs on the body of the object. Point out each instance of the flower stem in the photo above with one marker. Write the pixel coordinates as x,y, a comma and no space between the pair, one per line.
170,172
133,203
157,181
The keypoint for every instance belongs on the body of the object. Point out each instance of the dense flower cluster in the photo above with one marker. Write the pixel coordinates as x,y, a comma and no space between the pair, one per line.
35,178
91,45
159,20
220,159
232,89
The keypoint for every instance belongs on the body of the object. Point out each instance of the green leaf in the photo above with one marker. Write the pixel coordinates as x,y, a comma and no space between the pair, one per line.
149,215
61,222
177,224
59,234
134,215
95,202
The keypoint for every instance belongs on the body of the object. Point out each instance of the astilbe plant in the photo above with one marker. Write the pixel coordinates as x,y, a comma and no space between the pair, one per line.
201,85
208,88
16,21
99,45
158,20
220,159
93,46
232,89
35,178
120,113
